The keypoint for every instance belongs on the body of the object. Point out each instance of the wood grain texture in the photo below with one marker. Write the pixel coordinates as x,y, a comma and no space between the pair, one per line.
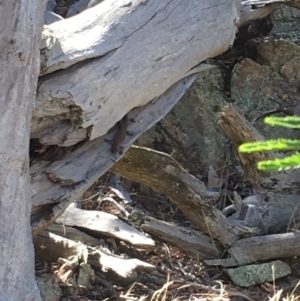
117,57
74,173
104,223
260,248
20,24
184,238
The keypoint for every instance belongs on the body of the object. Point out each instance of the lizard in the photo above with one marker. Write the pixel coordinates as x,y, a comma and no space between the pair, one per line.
119,138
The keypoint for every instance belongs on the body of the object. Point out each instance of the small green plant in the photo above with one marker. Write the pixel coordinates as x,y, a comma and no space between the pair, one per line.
292,161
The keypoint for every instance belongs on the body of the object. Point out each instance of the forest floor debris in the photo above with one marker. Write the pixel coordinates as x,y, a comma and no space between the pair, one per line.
178,274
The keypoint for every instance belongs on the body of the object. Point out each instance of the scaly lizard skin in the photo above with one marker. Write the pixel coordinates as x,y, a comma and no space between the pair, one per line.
117,142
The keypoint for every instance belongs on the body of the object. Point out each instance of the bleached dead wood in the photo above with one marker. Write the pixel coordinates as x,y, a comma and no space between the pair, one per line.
265,213
21,23
255,249
115,58
51,198
118,190
104,223
257,9
139,51
248,14
50,247
124,268
184,238
129,51
72,234
262,3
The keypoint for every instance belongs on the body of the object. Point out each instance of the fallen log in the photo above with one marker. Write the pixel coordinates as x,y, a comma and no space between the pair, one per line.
261,248
125,61
104,223
72,234
91,84
51,247
185,239
50,199
163,174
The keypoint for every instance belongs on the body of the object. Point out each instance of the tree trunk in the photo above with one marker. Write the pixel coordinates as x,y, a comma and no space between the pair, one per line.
19,64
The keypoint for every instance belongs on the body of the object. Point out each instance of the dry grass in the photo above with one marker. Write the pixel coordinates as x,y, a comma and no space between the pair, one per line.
279,295
211,294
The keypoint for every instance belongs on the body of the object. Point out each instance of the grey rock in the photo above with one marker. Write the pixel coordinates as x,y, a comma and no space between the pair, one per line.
50,5
86,277
190,131
258,273
253,217
51,17
49,290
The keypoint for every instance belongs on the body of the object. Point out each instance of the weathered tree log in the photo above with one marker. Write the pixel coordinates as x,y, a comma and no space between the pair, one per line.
116,60
239,131
50,247
259,3
83,102
104,223
265,213
50,198
20,24
255,249
72,234
186,239
161,172
134,61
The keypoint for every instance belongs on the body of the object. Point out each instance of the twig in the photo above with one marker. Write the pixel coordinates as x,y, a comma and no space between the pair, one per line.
100,200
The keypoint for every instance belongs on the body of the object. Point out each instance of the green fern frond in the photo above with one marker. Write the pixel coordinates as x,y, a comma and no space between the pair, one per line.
292,122
270,145
290,162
